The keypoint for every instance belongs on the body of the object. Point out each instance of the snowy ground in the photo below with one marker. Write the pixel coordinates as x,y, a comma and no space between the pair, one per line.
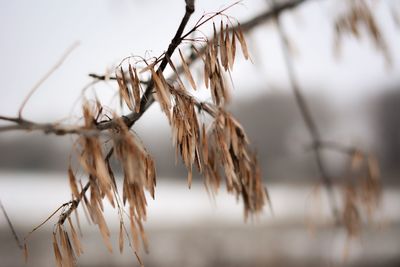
188,228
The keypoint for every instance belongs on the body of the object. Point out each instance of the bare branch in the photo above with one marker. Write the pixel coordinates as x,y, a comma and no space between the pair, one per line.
47,128
147,98
306,114
14,233
47,75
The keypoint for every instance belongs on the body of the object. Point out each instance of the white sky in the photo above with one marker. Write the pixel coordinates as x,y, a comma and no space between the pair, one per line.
34,34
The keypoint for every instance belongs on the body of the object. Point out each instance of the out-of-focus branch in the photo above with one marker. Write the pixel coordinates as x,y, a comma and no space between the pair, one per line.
47,128
308,119
334,146
14,233
46,76
276,10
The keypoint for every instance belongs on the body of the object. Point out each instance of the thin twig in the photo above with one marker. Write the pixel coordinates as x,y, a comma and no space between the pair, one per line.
74,205
19,244
199,24
46,220
47,75
47,128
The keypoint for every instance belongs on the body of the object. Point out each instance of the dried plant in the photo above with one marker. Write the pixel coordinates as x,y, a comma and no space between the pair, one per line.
359,17
218,148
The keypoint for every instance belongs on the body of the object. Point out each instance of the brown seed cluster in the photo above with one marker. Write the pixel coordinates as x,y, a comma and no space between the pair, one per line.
220,54
129,89
362,193
355,21
219,149
226,148
139,176
186,131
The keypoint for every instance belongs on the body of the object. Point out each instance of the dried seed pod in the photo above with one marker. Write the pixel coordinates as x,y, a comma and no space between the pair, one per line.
124,90
121,237
182,86
72,183
186,70
233,48
186,131
242,40
57,252
222,47
135,83
134,232
162,92
228,48
228,148
75,239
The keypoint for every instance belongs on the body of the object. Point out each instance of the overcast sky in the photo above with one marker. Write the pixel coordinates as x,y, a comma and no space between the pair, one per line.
34,35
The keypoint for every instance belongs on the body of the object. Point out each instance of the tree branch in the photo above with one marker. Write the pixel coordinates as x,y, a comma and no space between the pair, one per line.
147,99
46,76
307,117
14,233
47,128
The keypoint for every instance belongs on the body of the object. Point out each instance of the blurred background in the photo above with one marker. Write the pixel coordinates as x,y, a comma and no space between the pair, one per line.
353,96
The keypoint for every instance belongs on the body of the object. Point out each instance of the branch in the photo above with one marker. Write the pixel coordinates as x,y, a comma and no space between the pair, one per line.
14,233
276,10
47,128
147,99
74,205
307,117
247,26
46,76
334,146
46,220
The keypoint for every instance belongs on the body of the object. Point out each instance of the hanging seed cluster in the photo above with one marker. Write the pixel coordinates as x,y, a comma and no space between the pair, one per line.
362,193
228,148
220,55
139,176
218,149
358,19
